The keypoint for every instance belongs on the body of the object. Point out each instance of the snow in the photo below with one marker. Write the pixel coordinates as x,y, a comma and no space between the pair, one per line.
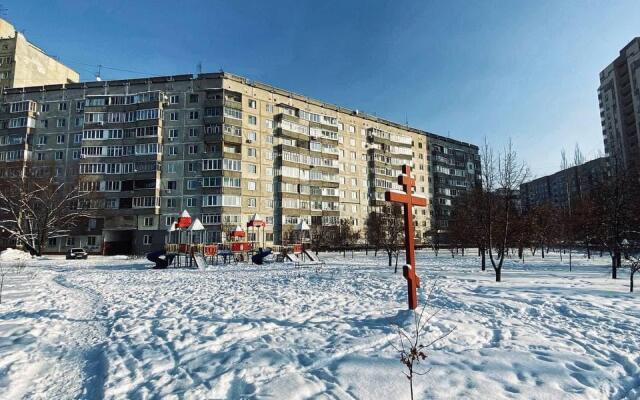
111,328
12,255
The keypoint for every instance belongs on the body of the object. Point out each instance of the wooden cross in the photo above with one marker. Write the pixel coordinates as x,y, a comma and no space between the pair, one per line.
408,200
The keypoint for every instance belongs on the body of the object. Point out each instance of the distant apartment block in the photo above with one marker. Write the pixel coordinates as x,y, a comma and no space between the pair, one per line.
23,64
223,148
571,183
619,99
454,168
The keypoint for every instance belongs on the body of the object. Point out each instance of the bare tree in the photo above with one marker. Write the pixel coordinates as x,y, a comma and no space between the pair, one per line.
393,231
564,163
578,157
375,231
502,178
38,207
413,348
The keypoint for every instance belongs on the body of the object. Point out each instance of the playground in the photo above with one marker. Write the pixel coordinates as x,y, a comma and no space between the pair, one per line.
184,247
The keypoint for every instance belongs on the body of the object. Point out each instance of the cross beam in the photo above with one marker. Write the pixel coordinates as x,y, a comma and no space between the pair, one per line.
408,200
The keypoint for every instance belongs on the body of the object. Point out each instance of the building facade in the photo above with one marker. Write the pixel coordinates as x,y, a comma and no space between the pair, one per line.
454,168
223,148
619,99
557,189
23,64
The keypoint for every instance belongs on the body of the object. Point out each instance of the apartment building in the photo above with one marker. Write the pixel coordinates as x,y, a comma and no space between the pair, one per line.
24,64
220,146
619,99
557,189
454,168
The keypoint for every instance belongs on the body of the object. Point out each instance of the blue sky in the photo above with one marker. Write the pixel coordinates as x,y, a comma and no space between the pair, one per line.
526,70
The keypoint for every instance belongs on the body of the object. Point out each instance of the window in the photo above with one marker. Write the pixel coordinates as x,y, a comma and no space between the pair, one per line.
193,184
52,242
253,169
252,104
44,107
174,99
70,241
251,152
59,155
174,116
62,106
193,132
77,138
251,202
193,98
91,240
42,140
253,120
146,240
191,201
251,136
173,150
60,139
193,115
251,185
268,124
172,203
193,148
148,221
173,133
60,123
268,108
172,185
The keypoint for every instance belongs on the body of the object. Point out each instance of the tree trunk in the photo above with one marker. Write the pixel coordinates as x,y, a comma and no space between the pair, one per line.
390,259
484,259
614,265
542,249
630,283
499,274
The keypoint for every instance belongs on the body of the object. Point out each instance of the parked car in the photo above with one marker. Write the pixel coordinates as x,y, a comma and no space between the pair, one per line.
76,253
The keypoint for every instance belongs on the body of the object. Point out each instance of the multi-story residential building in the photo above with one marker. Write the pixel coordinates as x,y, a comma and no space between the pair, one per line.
454,168
557,189
23,64
619,98
223,148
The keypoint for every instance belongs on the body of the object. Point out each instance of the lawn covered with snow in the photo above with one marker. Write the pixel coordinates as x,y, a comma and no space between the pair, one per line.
112,328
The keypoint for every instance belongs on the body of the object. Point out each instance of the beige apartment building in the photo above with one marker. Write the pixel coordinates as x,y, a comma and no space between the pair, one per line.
218,145
619,100
23,64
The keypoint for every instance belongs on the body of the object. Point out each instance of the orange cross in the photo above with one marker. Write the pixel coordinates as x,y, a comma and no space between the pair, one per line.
408,200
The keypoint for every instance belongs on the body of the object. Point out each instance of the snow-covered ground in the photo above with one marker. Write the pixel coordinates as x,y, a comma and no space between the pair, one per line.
112,328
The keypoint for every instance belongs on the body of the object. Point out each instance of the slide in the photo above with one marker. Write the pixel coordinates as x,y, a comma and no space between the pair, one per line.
258,258
161,259
311,255
199,261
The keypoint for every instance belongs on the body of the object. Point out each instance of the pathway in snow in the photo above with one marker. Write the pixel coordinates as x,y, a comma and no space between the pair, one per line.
114,329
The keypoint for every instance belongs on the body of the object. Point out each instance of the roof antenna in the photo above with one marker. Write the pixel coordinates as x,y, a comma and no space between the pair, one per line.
406,120
99,73
199,67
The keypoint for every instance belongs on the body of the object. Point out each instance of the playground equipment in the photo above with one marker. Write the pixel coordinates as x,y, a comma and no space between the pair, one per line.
161,259
187,250
258,258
